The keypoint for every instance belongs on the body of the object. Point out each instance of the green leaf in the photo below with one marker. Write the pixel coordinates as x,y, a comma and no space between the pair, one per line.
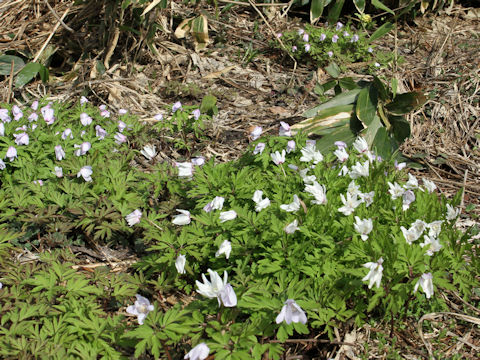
394,86
400,128
6,64
382,30
404,103
347,83
360,5
380,5
326,120
344,98
335,11
28,72
381,89
316,10
333,70
366,106
372,129
382,143
209,105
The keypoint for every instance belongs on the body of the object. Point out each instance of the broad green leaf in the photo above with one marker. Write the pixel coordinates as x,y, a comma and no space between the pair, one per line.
209,105
333,70
404,103
6,64
316,10
400,128
394,87
360,5
326,120
345,98
372,129
28,72
382,30
347,83
381,89
200,32
379,5
382,143
340,134
366,106
335,11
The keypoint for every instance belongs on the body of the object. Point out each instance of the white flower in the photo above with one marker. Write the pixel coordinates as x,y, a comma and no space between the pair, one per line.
199,352
227,215
407,198
11,153
360,145
293,206
452,213
2,165
149,151
256,133
292,227
291,312
198,161
180,264
349,204
367,198
359,170
412,183
83,100
4,116
399,166
17,113
291,146
120,138
426,283
434,243
435,227
217,288
196,114
100,132
158,117
310,153
48,114
83,148
122,111
67,133
59,153
121,125
353,189
141,308
225,248
419,226
429,185
215,204
410,235
363,226
259,148
185,169
341,154
343,171
85,119
278,158
308,180
375,273
2,129
318,191
395,190
134,217
284,129
21,139
176,106
183,218
58,171
260,203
